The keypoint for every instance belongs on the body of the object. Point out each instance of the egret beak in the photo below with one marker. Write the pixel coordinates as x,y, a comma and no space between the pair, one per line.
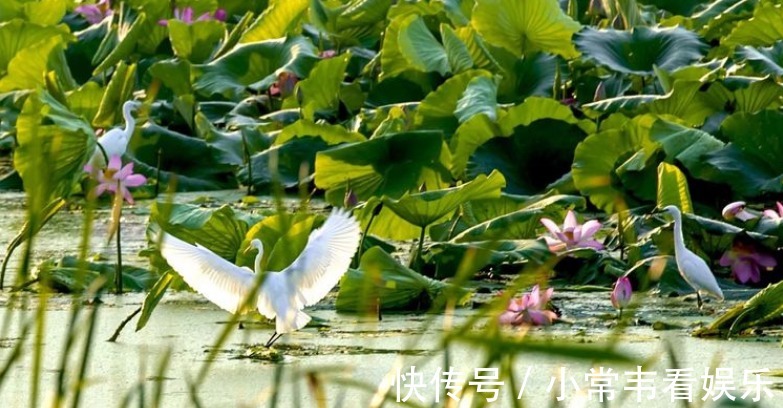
247,250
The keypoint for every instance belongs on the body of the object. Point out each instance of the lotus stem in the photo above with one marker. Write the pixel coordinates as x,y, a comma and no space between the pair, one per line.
157,172
118,273
358,257
249,164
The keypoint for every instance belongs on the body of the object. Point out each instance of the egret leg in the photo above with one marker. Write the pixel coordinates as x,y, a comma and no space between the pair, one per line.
698,299
273,339
241,326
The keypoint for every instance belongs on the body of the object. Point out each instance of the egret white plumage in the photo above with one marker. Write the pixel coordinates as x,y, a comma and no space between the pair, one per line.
282,294
693,269
115,141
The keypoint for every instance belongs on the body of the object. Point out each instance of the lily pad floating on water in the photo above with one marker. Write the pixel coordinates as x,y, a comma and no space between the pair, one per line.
67,275
381,282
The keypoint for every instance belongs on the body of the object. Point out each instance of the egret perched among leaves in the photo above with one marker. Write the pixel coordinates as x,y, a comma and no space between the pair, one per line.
283,294
692,268
115,142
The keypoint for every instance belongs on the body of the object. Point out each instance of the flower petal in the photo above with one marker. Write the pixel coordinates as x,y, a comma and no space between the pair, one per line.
124,172
726,259
511,318
550,225
744,271
780,208
765,260
115,162
135,180
590,228
590,243
127,195
772,214
100,189
570,221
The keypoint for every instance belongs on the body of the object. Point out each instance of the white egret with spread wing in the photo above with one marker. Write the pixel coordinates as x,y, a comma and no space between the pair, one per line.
115,141
282,294
693,269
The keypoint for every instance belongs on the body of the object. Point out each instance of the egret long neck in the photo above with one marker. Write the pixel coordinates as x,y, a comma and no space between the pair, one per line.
679,241
130,123
257,265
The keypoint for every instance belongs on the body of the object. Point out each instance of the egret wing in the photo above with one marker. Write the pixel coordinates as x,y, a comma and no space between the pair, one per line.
325,258
699,275
220,281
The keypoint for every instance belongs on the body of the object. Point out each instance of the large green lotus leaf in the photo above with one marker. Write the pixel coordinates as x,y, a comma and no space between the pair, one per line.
129,36
531,158
281,18
45,12
639,50
220,230
284,236
250,63
764,60
386,223
393,62
478,130
389,165
684,144
524,27
195,42
480,98
53,145
480,211
764,308
420,48
763,29
520,224
424,209
382,283
531,75
438,109
27,68
746,173
457,52
446,257
320,92
599,160
176,152
331,134
86,100
174,74
355,22
685,101
753,160
673,188
744,94
68,275
677,7
289,164
230,147
18,35
479,51
120,89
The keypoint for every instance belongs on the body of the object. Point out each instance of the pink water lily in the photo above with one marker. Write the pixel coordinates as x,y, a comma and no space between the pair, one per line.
775,215
529,309
116,179
621,295
737,210
746,262
186,16
572,235
95,13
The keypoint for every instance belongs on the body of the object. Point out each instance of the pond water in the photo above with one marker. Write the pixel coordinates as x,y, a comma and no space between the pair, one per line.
347,350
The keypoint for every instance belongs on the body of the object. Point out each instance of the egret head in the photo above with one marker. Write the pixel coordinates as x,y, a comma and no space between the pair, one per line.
672,210
255,244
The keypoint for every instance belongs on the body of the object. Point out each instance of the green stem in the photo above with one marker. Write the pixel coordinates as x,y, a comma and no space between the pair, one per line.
157,172
417,258
249,165
118,274
358,256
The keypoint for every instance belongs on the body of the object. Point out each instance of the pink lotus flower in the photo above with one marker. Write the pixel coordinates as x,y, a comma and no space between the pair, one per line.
114,179
573,235
186,16
529,309
775,215
95,13
746,262
621,295
737,210
327,54
285,85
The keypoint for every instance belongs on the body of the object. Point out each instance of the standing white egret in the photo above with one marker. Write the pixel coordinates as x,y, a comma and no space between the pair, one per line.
692,268
115,141
283,294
